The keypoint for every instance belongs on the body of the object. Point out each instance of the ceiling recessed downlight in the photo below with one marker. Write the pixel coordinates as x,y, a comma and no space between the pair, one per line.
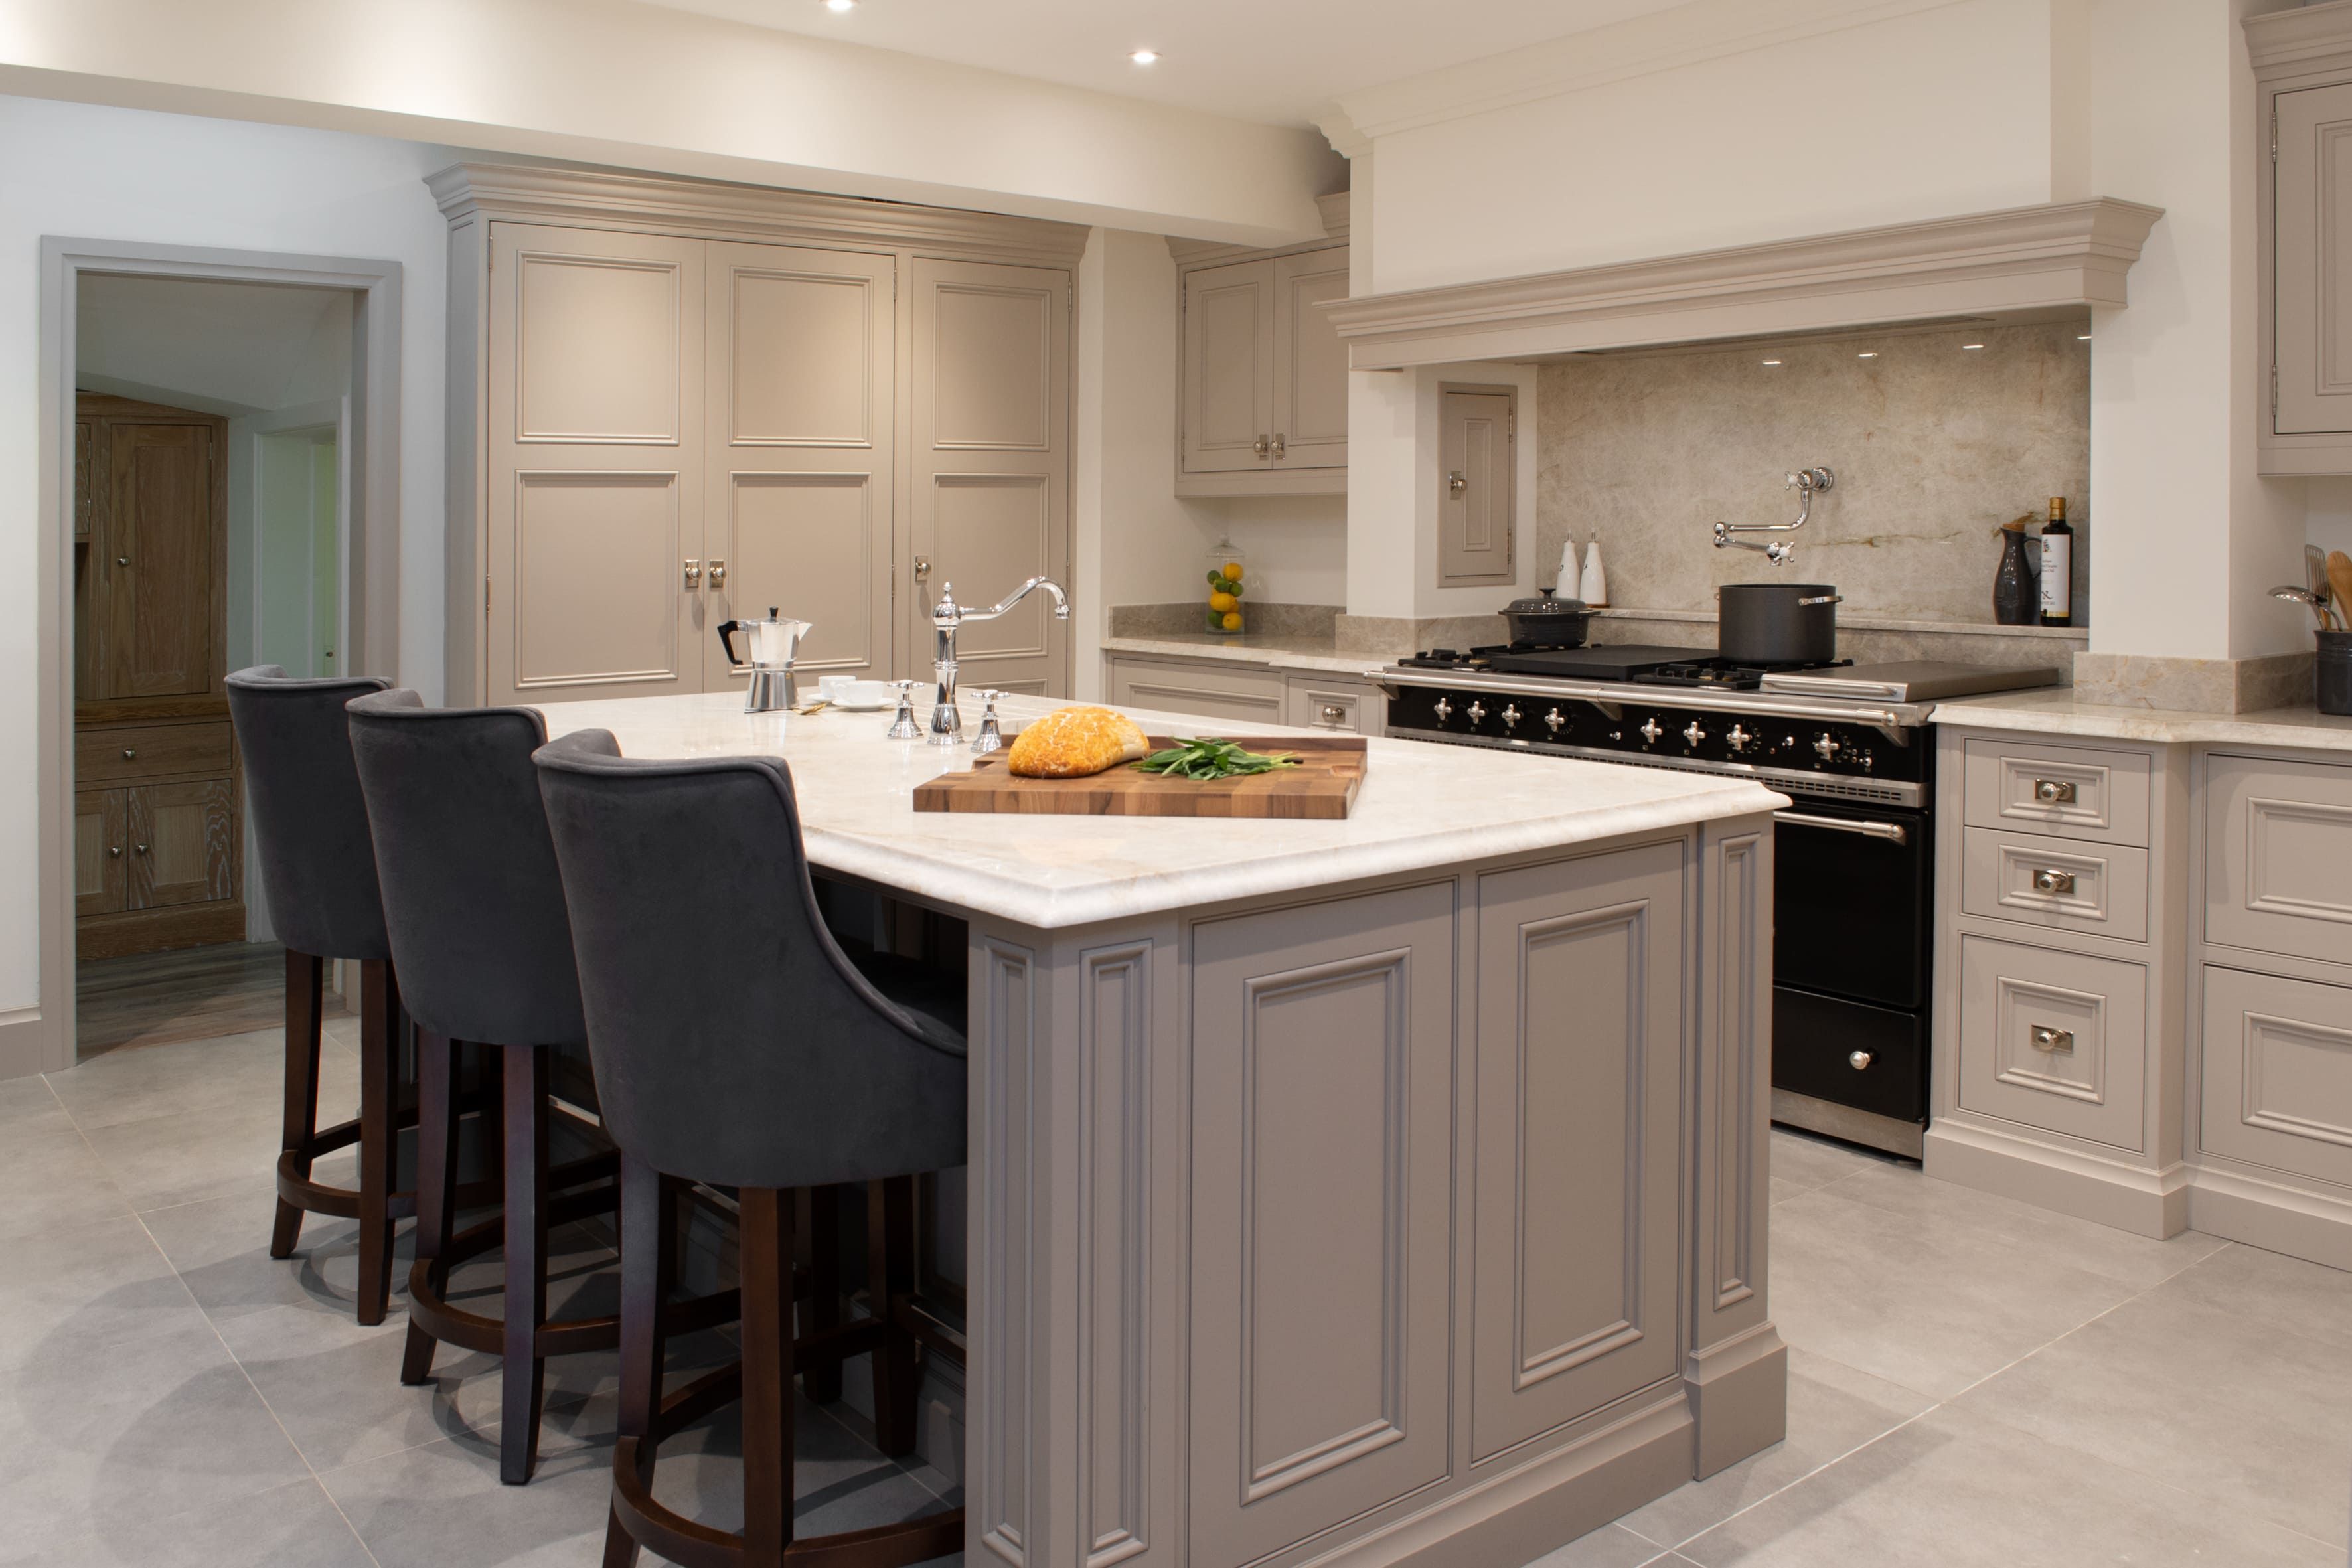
837,6
1972,345
1145,57
1771,362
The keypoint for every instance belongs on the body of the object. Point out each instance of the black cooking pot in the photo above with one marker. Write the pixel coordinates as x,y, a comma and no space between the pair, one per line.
1778,622
1547,622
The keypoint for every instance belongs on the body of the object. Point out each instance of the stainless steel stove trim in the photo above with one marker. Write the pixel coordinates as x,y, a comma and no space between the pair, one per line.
1791,780
1907,1139
1890,720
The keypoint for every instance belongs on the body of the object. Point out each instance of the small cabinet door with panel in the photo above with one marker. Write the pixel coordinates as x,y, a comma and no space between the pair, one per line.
1265,378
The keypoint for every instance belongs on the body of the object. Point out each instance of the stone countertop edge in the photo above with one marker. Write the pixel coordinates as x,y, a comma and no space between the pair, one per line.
2056,713
1051,871
1271,652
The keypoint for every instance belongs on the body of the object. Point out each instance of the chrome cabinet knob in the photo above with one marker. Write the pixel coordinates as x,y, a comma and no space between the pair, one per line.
1693,733
718,573
1553,721
1262,447
1858,1061
693,574
1477,711
2055,792
2046,1038
123,561
1279,449
1737,738
2052,880
139,849
1826,748
1444,711
1510,714
1650,730
115,852
129,752
1334,714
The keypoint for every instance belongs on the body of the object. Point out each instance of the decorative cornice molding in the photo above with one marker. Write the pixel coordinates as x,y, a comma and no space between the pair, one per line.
1664,40
2002,263
2310,37
710,207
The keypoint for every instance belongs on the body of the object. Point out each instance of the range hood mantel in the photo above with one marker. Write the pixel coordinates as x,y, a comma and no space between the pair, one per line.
2022,264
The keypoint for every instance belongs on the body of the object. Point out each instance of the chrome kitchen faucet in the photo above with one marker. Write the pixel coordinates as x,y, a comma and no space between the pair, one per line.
947,616
1807,483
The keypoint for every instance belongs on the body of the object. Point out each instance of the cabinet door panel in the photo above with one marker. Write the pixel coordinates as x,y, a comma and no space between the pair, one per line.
1579,1087
2054,1039
1477,523
2278,854
1310,363
1239,696
155,563
991,470
100,850
2277,1087
799,481
2314,324
1322,1263
594,494
183,843
1229,334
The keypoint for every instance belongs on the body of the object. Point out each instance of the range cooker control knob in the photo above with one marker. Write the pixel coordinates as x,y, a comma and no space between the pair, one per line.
1477,711
1510,715
1693,733
1444,711
1552,721
1650,730
1826,748
1737,738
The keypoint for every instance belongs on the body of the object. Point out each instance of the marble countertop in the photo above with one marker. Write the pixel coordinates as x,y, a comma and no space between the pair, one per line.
1422,807
2059,712
1273,651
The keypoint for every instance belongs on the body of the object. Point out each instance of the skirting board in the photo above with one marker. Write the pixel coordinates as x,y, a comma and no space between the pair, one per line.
2105,1191
2273,1218
25,1043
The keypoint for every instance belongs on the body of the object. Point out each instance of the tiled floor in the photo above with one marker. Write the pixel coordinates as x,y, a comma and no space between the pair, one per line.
1973,1381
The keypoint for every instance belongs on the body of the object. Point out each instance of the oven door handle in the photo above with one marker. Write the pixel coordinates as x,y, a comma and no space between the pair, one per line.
1893,832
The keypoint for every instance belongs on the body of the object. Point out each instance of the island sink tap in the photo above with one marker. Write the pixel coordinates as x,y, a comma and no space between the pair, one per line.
946,618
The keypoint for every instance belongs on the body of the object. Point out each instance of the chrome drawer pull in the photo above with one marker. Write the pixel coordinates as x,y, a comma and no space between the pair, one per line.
2046,1038
2050,880
2055,792
1334,714
1893,832
1858,1061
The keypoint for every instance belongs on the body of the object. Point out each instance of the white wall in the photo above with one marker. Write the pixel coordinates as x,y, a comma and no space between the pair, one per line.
96,172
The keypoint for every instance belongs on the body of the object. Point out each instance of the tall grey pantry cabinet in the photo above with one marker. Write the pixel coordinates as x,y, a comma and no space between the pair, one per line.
673,403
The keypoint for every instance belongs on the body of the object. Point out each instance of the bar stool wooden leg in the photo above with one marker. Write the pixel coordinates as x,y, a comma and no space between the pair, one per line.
304,974
767,1265
647,1232
822,1381
436,1182
379,1150
890,1278
524,1373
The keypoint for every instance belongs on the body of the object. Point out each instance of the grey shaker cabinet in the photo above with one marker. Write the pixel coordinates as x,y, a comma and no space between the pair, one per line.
1262,396
2303,68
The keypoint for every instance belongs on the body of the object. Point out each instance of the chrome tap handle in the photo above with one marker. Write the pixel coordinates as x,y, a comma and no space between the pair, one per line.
903,726
990,737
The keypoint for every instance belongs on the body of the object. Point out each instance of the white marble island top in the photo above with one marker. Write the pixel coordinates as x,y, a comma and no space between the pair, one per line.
1423,805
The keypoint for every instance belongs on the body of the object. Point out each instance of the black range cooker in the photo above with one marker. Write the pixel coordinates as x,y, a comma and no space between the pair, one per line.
1853,892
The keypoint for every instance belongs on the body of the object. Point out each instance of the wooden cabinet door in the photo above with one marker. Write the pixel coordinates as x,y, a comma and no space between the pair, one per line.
798,412
990,469
155,561
1323,1176
183,843
1579,1093
1475,484
100,850
597,464
1310,363
2313,217
84,438
1229,337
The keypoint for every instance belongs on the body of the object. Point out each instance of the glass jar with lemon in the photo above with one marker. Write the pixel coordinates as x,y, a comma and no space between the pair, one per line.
1224,588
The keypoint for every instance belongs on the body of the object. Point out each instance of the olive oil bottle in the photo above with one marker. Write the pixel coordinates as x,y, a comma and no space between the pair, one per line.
2057,567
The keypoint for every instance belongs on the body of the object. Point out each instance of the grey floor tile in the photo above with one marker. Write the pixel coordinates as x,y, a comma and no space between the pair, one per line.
442,1504
1933,1307
2137,1261
1809,1163
52,1179
1957,1491
336,1386
29,1105
221,1247
1611,1546
291,1526
2181,1391
179,1159
114,1438
1834,1409
67,1291
2258,1287
233,1072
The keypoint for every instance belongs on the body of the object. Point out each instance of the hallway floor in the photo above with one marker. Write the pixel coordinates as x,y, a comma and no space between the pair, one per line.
1973,1381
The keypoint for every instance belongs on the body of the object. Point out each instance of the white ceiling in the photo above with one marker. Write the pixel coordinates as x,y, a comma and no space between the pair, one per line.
221,347
1273,61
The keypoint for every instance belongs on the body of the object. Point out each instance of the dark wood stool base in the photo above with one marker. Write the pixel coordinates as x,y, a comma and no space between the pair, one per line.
761,1380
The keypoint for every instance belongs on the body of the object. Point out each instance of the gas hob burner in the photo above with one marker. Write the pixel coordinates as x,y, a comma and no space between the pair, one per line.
1727,675
1451,658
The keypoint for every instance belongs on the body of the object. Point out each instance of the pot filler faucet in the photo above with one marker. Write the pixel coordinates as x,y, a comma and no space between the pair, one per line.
1807,483
946,615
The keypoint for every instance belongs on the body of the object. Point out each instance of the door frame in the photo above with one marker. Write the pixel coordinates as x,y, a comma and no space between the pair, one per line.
41,1038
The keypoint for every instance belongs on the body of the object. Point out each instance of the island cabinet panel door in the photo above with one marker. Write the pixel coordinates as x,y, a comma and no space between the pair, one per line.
594,493
991,486
797,370
1579,1030
1323,1048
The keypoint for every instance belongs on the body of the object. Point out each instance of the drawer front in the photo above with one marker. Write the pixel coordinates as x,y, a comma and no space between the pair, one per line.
1342,705
2070,792
1232,696
149,750
2056,1040
2065,884
2277,1083
2278,857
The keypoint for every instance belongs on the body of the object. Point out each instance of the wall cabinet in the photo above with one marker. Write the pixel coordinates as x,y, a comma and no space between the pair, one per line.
1262,402
2303,66
673,405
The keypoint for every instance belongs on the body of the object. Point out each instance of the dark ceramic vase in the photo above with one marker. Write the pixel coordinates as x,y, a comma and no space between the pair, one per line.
2016,586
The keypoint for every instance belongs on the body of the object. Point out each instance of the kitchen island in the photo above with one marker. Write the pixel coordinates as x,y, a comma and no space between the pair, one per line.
1381,1191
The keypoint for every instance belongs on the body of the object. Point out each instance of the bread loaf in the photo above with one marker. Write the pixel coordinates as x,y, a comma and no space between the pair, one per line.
1072,742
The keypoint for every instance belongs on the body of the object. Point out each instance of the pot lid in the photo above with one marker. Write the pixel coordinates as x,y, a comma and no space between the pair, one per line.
1550,603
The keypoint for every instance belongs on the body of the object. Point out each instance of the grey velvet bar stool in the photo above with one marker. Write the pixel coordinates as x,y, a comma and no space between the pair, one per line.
737,1045
318,871
474,906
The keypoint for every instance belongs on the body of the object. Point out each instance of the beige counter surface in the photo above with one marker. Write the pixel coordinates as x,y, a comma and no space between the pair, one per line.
2059,712
1272,651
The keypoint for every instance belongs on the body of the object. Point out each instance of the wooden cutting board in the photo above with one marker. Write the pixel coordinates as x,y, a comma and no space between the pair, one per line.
1322,787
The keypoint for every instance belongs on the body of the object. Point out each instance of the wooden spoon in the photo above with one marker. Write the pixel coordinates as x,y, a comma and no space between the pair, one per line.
2339,578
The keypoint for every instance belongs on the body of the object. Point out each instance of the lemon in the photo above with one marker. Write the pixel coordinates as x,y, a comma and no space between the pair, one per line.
1232,620
1233,569
1223,603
